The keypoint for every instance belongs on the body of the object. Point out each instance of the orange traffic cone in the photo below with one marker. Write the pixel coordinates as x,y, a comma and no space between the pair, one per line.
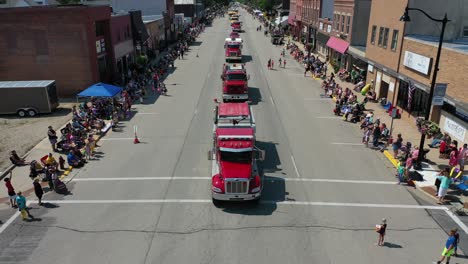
135,140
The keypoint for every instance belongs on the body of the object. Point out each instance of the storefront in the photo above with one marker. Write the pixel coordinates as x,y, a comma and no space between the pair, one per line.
412,99
322,38
338,48
312,37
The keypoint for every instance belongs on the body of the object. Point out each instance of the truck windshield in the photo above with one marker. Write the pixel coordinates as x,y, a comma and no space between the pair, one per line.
236,77
238,157
233,46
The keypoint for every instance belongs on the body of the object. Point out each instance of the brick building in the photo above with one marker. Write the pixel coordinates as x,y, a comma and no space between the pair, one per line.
123,51
68,44
292,16
349,34
402,54
310,17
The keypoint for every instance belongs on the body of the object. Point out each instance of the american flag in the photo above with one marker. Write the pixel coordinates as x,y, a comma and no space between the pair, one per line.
411,90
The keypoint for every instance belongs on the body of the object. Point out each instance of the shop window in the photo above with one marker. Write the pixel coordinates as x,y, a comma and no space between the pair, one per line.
385,38
419,100
381,31
99,29
347,24
465,31
372,38
394,39
342,23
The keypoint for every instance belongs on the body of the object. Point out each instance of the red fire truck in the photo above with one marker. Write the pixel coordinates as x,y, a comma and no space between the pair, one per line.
235,82
235,173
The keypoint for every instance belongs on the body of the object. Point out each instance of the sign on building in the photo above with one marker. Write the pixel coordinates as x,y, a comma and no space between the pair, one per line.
454,129
439,94
417,62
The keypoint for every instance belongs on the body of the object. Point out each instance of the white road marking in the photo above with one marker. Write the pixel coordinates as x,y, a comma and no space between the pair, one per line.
159,201
295,167
9,221
328,117
272,102
340,181
195,112
345,143
268,178
141,179
458,221
111,139
317,99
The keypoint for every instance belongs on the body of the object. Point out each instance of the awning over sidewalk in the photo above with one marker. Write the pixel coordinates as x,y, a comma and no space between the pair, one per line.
337,44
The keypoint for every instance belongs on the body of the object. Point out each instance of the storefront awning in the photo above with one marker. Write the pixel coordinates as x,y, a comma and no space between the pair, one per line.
337,44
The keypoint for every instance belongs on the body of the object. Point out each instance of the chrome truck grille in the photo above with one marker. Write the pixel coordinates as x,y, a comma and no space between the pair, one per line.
237,186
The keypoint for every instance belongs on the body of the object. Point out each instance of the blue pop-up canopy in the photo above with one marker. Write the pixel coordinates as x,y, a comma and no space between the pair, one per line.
100,90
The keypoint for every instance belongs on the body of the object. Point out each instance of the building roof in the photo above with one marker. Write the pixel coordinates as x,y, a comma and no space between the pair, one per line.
184,2
23,84
148,19
459,45
234,109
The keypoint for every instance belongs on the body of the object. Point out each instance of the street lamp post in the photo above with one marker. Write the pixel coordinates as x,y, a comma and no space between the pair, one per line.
405,17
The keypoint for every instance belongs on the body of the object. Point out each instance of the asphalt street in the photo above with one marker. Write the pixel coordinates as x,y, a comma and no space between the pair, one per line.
151,203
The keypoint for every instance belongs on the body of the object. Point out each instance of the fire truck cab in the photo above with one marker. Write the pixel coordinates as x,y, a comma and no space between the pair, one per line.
235,82
235,173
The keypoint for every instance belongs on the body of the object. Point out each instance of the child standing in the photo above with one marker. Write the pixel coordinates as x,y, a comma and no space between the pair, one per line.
11,191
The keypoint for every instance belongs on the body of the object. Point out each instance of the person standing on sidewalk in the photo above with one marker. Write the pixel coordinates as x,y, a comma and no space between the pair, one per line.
22,207
52,135
449,247
463,157
445,182
397,145
38,190
284,63
11,191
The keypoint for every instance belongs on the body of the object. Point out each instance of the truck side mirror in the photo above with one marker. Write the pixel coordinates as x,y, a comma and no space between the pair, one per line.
260,154
210,155
248,77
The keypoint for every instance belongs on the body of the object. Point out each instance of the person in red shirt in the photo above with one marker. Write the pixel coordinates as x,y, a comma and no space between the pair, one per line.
11,192
442,149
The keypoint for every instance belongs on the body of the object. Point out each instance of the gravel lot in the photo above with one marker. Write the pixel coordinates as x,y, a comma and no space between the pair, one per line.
22,134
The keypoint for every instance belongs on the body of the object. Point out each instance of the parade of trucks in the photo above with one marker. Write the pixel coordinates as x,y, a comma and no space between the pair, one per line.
235,158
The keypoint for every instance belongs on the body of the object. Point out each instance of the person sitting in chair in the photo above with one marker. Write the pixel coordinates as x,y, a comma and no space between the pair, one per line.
16,160
74,160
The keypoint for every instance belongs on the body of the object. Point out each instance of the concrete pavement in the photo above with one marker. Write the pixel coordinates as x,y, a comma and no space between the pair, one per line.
160,210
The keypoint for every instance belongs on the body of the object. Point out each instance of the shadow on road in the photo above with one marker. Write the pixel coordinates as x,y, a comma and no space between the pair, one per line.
196,43
246,58
391,245
255,95
272,162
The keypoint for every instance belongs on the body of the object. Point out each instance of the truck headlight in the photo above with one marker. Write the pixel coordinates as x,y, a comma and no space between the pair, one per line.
256,189
216,189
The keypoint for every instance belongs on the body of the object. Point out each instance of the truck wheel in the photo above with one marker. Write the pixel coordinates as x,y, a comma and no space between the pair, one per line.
32,112
21,113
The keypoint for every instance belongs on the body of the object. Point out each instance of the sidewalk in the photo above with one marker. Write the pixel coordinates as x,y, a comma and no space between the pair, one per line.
406,126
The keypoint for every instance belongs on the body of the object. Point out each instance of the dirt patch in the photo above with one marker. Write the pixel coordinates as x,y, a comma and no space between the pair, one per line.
22,134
